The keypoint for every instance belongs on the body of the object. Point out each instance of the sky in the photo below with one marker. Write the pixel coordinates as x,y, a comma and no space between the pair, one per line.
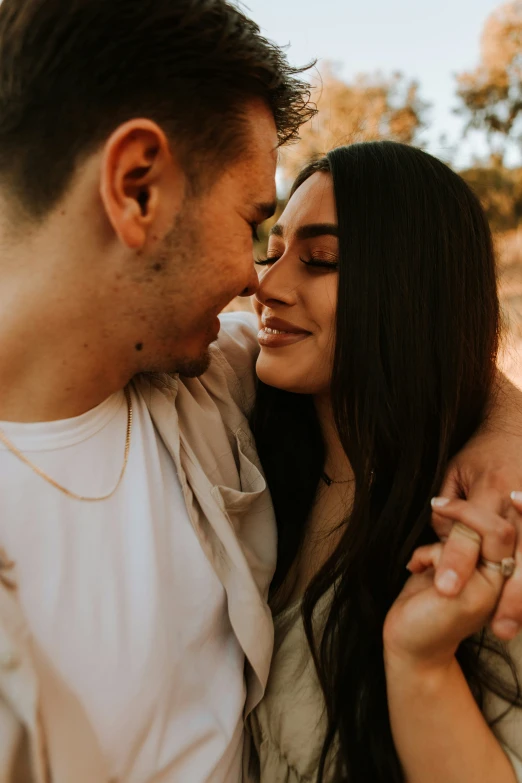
427,41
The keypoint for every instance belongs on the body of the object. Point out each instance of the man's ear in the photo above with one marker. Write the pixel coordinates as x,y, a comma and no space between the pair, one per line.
137,170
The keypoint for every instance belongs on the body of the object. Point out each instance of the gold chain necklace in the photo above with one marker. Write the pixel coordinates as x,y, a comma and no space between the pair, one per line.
12,448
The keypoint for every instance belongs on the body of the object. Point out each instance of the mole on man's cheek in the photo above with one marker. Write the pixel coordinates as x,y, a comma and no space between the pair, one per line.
139,346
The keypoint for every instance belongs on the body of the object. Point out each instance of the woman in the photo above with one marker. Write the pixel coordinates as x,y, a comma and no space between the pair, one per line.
379,332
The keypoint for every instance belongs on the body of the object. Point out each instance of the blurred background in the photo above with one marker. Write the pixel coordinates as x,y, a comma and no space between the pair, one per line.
443,76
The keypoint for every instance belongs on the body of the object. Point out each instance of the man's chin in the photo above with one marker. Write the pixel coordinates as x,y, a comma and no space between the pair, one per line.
192,368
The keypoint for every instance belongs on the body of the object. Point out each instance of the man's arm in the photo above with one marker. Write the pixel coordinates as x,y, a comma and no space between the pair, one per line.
488,470
236,351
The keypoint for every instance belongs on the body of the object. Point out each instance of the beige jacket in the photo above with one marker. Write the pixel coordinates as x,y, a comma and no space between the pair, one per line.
203,424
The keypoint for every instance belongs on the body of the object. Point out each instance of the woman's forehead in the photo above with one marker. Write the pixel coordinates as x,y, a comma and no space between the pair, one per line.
313,202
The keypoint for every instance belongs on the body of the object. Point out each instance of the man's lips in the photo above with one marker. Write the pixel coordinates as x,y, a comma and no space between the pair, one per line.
277,333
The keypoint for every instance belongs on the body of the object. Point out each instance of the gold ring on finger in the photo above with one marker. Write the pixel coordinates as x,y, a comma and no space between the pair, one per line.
468,532
506,566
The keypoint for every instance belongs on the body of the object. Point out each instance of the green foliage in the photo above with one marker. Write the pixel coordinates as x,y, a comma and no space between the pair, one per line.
491,95
371,107
500,191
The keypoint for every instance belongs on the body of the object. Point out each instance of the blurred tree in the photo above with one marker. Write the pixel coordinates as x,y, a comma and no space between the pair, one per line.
373,106
500,191
491,95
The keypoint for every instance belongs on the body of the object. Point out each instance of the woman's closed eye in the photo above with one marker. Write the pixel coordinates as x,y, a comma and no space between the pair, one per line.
320,263
314,262
266,261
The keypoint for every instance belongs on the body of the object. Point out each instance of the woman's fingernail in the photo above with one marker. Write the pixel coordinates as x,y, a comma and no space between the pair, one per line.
517,497
507,628
439,502
448,582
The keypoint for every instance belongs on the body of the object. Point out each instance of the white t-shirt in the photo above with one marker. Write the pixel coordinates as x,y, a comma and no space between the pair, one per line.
120,597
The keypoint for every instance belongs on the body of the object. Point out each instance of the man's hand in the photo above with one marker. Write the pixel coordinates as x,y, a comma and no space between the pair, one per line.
487,471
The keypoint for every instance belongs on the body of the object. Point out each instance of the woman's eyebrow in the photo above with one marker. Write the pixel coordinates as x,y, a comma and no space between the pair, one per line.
309,231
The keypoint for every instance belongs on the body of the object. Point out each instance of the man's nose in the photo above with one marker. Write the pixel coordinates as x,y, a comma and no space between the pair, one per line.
252,285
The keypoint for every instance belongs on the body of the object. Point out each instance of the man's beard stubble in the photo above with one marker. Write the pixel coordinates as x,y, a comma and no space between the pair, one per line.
193,368
179,247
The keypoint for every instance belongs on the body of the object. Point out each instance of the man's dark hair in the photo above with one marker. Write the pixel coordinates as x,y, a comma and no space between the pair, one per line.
71,71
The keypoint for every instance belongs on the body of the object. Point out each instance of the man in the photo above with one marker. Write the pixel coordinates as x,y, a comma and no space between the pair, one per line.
137,156
138,145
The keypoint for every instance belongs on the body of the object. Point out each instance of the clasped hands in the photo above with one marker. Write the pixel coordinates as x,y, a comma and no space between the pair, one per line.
455,588
439,605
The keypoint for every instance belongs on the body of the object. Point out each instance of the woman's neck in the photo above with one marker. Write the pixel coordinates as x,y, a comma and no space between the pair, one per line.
330,512
336,466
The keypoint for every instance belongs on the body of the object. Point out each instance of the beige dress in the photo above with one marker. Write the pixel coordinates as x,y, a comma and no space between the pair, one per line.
287,728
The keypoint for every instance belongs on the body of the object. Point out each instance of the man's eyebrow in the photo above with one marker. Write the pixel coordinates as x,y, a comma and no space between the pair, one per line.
266,210
309,231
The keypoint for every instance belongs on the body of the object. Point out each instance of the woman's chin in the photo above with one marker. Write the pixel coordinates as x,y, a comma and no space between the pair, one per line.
281,377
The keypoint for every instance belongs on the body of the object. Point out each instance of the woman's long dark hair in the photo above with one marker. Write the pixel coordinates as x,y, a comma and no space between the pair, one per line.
415,349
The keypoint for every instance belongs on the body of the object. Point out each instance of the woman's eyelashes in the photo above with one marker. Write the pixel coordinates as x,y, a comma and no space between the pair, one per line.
266,261
321,263
318,263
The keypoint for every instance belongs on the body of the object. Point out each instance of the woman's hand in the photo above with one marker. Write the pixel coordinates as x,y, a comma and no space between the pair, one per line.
438,729
424,627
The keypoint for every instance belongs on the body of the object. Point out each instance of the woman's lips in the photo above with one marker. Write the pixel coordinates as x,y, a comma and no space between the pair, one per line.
275,338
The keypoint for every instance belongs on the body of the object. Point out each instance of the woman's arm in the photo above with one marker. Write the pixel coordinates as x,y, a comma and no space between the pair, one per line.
439,732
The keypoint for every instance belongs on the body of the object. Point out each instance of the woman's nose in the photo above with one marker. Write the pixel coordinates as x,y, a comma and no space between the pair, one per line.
277,285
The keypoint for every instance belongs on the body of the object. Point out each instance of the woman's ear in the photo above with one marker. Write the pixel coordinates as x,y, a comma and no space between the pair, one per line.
137,172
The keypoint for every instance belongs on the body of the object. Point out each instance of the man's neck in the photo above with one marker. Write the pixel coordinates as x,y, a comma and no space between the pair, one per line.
60,350
65,379
58,359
